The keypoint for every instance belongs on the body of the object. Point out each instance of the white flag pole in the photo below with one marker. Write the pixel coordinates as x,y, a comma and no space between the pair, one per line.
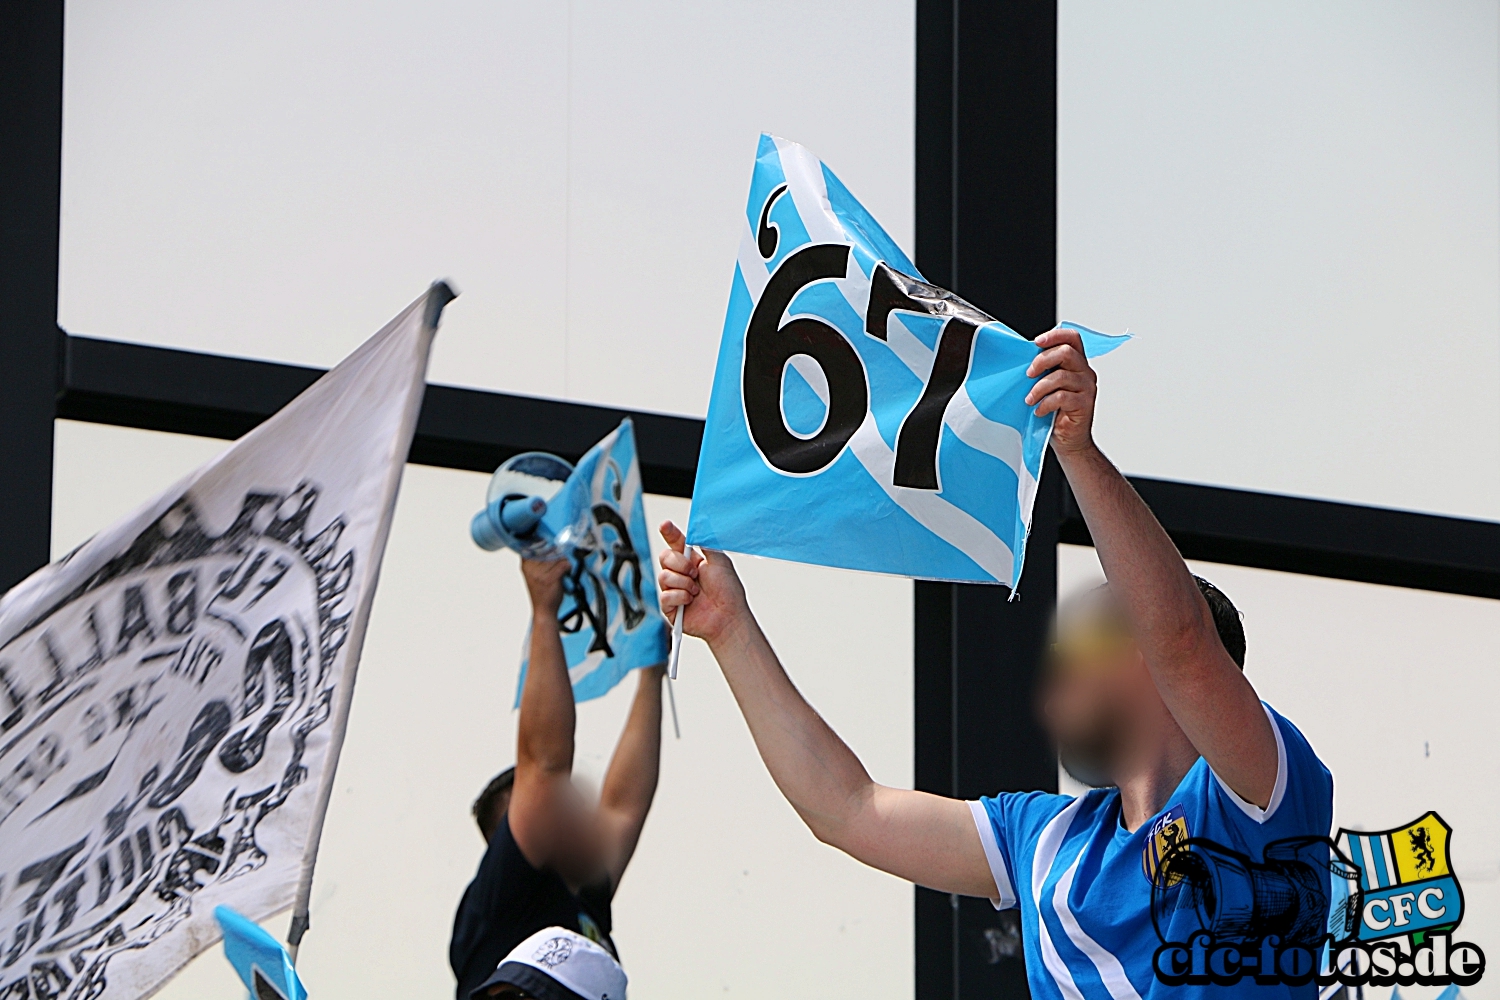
672,697
438,296
676,650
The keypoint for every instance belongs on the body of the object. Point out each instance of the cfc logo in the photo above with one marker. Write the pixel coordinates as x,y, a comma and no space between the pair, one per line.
1365,909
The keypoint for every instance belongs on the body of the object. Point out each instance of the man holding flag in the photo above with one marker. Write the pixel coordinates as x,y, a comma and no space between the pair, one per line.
553,860
1147,697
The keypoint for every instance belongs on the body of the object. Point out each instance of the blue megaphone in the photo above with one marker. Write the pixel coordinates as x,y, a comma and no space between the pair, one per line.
516,502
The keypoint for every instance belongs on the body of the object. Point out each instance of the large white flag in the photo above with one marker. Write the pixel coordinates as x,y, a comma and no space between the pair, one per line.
173,693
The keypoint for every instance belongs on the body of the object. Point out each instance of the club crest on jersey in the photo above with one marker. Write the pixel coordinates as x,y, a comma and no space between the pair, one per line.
1408,891
1169,832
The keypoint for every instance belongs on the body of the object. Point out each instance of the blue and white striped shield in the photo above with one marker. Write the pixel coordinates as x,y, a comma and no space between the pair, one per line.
862,417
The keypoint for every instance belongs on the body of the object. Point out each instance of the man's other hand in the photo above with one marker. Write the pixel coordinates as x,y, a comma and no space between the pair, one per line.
1068,388
704,583
544,582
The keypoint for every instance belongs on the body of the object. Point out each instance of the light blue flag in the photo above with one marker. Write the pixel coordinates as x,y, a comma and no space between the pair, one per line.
262,963
862,417
611,615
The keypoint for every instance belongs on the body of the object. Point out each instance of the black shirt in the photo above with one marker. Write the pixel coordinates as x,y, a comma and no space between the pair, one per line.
509,901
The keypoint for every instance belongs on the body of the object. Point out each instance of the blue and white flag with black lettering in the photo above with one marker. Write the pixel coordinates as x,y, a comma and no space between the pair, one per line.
611,616
862,417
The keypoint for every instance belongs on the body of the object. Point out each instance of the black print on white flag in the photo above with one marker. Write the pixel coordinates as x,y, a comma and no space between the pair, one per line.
173,693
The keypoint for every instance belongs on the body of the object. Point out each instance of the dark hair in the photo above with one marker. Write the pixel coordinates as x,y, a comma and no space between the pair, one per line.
484,811
1226,620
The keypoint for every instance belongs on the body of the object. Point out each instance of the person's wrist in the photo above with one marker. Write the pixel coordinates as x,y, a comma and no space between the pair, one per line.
541,613
732,632
1070,454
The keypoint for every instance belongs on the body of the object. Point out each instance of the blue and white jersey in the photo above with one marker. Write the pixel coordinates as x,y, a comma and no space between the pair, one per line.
1083,883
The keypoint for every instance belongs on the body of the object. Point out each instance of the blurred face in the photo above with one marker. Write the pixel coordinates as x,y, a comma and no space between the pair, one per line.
1093,687
580,852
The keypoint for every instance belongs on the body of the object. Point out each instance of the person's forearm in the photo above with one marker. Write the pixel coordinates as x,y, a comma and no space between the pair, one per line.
630,783
816,771
1149,579
545,737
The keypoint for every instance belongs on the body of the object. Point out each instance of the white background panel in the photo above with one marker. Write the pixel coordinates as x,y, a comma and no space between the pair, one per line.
278,180
1297,208
726,875
1395,691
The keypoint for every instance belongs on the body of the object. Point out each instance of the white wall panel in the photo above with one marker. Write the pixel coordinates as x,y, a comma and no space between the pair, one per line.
277,180
1297,208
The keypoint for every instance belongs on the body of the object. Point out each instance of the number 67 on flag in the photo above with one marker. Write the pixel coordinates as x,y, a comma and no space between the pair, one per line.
862,417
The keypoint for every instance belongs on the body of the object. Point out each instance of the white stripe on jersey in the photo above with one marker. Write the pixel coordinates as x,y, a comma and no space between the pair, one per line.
1278,788
986,828
1041,863
1110,969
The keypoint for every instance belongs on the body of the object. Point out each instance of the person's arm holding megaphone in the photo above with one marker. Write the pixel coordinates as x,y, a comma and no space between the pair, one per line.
544,792
552,823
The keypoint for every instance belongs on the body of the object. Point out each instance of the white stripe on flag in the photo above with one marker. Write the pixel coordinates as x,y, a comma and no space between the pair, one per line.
904,344
584,667
995,439
752,267
812,373
953,525
804,182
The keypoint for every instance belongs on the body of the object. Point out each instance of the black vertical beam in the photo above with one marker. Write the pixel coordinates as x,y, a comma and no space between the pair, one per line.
986,220
31,54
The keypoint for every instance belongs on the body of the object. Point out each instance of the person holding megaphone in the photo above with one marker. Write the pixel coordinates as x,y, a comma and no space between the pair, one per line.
554,859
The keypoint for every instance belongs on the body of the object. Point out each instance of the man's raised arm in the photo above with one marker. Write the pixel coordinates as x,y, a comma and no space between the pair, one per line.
1206,692
924,838
630,783
544,741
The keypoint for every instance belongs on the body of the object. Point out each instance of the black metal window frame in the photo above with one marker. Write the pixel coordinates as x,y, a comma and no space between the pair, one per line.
986,227
208,395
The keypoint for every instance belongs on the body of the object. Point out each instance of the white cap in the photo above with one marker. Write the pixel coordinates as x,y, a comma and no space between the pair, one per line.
559,964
